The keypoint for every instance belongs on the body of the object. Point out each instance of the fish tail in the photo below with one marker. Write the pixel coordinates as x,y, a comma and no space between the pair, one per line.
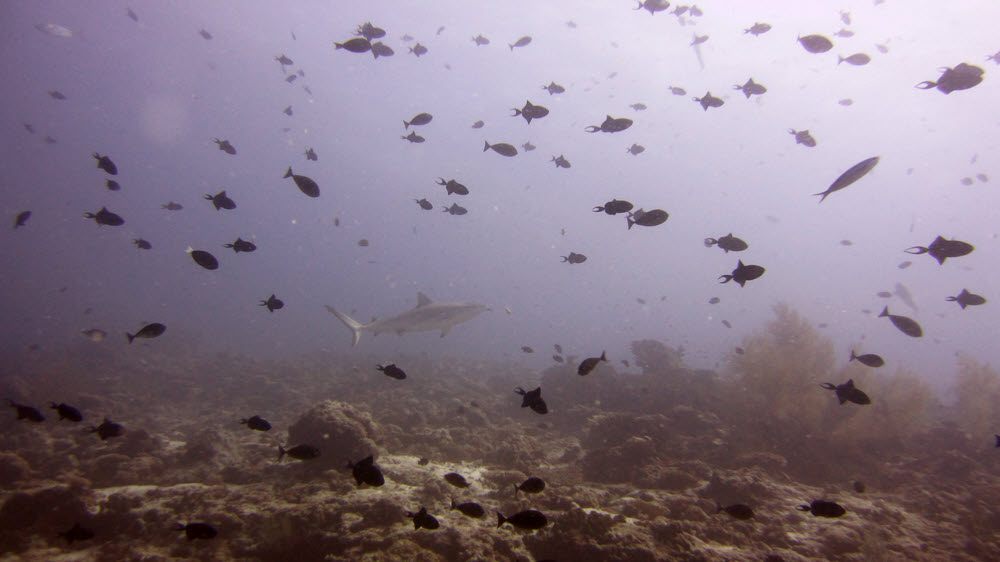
853,356
842,59
351,323
500,520
288,174
281,453
718,507
129,336
515,490
406,125
885,312
630,222
823,194
487,147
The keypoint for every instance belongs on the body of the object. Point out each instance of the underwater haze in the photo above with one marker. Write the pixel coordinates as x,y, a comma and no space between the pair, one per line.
861,179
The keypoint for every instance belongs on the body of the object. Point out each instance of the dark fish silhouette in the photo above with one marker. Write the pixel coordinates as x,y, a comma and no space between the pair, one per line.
456,209
202,531
611,125
478,125
820,508
57,95
142,244
758,29
635,149
105,217
424,204
965,298
533,485
561,162
815,43
852,175
171,206
108,429
638,106
77,533
528,147
647,218
470,509
418,50
857,59
677,91
941,249
502,148
614,207
588,365
803,137
696,39
557,358
554,88
380,49
751,88
204,259
574,257
287,111
112,185
148,331
27,412
714,300
273,303
530,111
868,359
306,185
530,520
526,349
479,40
456,480
241,245
299,452
962,77
708,100
392,371
729,243
283,61
256,423
419,119
105,163
221,201
311,155
366,472
225,146
413,137
532,398
451,187
204,34
422,519
736,511
356,45
652,6
21,219
848,393
520,42
369,31
743,273
67,412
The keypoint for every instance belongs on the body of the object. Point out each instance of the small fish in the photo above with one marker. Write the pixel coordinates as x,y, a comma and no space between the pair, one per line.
470,509
273,303
527,349
758,29
611,125
171,206
677,91
803,137
743,273
588,365
533,485
76,533
478,124
105,163
108,429
142,244
422,519
558,348
241,245
54,30
391,371
283,61
857,59
846,243
21,219
365,471
845,17
965,298
306,185
554,88
941,249
380,49
815,43
418,50
193,531
528,147
456,480
962,77
905,264
205,34
204,259
423,461
885,294
647,218
520,42
821,508
614,207
418,119
225,146
557,358
105,217
479,40
708,100
413,137
751,88
530,520
287,111
727,324
653,6
502,149
532,399
369,31
635,149
736,511
27,412
148,331
256,423
729,243
453,187
29,128
855,173
638,106
848,393
845,33
94,334
49,140
424,204
356,45
739,350
714,300
530,111
698,40
561,162
456,209
56,95
846,102
299,452
221,201
868,359
574,257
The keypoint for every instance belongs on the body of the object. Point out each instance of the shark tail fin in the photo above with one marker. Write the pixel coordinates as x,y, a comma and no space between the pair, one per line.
351,323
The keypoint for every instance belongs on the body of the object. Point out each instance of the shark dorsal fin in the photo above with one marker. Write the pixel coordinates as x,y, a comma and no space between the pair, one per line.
422,300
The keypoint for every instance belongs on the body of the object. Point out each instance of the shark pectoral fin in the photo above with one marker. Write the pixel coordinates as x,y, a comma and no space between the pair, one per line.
351,323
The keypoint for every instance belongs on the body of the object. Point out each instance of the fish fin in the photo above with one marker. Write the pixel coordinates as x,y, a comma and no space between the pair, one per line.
351,323
853,356
885,312
288,174
823,195
500,520
423,300
487,147
129,336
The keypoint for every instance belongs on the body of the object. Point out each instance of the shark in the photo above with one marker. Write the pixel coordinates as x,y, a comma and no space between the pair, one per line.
427,316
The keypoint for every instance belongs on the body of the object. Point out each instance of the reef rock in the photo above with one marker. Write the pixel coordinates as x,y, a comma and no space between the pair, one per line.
340,431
